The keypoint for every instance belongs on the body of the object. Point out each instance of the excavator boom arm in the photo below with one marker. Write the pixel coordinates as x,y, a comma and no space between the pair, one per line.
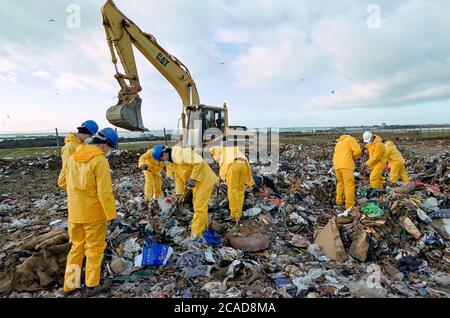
122,34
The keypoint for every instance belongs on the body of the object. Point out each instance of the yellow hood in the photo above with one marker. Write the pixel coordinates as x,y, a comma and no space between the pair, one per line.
216,152
393,154
377,153
346,151
70,138
377,139
343,137
85,153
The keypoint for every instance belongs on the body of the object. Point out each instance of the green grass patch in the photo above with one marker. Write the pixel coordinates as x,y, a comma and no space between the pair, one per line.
47,151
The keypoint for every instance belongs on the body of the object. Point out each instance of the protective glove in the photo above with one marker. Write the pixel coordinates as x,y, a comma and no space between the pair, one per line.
190,184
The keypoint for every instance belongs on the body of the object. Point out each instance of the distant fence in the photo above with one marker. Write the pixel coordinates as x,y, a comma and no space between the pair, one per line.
56,139
417,132
299,130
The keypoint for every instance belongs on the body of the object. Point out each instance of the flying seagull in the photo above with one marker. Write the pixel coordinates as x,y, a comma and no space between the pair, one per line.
51,20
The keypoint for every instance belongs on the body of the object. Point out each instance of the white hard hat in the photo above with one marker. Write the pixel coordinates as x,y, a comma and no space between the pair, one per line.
367,136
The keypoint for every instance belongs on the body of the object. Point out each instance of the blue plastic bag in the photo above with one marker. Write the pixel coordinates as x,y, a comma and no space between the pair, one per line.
187,293
212,238
156,255
281,282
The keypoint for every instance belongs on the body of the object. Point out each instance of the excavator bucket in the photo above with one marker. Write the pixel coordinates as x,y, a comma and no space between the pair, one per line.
127,116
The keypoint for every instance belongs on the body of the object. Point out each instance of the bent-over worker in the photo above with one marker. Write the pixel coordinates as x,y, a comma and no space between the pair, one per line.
235,170
396,163
377,159
151,163
192,172
346,152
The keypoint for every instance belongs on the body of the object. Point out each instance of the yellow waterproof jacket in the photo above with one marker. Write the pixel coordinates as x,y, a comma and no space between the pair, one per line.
226,156
346,151
187,164
70,145
87,180
153,166
393,154
377,154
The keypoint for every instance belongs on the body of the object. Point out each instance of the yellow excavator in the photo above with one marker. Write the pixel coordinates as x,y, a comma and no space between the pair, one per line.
122,34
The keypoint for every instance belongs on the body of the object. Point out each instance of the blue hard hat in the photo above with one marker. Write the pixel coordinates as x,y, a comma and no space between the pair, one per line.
109,135
91,126
157,151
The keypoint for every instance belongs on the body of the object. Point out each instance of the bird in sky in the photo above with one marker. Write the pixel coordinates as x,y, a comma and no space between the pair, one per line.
51,20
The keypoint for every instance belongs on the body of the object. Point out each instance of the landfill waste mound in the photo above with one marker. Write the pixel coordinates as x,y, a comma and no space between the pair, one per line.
292,241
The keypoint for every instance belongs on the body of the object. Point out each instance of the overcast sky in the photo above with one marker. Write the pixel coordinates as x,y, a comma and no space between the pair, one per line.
277,63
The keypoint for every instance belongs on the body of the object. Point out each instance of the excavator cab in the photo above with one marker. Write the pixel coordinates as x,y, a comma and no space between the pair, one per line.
205,124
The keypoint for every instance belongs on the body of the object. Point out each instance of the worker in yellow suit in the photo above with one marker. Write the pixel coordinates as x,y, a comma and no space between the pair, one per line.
191,172
152,171
377,159
396,163
85,132
235,170
346,152
91,204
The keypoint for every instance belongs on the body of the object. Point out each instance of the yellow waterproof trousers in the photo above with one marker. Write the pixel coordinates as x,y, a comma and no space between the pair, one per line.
153,185
200,198
345,187
376,177
398,168
88,240
236,179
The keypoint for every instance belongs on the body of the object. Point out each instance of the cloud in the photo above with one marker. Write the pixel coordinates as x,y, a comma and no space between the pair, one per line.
70,81
9,77
251,53
417,85
405,62
8,65
67,81
281,60
41,74
232,36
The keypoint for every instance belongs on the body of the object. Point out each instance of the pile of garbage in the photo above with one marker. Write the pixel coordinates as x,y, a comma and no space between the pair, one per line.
292,241
25,165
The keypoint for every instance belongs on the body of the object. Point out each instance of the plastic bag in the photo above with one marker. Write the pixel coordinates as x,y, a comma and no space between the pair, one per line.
156,255
211,238
372,210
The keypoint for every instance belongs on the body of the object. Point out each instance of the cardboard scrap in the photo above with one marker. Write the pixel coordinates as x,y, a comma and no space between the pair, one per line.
330,241
359,248
409,226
